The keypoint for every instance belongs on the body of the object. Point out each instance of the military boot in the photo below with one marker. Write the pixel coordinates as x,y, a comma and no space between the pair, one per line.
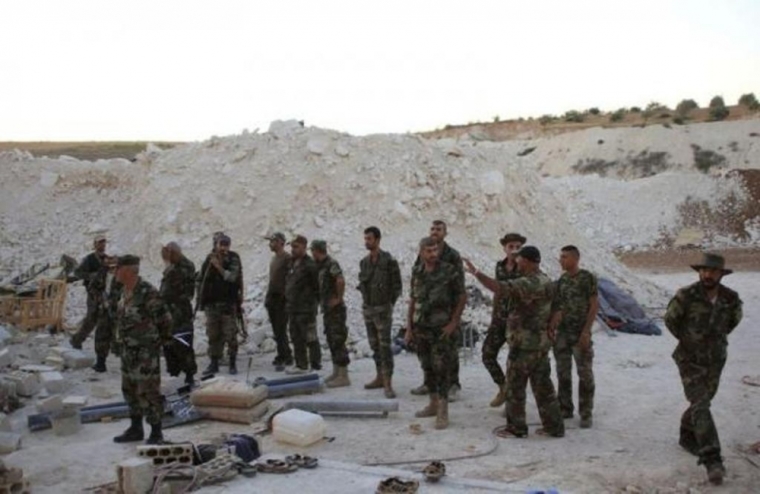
189,378
421,390
134,433
388,388
75,343
431,410
233,364
213,366
156,435
715,472
341,378
376,383
442,417
100,364
332,376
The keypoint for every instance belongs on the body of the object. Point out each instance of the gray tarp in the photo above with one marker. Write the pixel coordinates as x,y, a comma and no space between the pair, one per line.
620,311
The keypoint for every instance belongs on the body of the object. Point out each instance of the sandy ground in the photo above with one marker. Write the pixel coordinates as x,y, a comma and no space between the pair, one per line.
633,442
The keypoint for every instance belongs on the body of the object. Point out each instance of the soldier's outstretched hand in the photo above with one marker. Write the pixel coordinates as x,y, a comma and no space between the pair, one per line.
468,266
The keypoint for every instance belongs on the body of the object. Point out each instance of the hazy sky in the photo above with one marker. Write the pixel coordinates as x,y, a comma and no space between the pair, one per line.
186,70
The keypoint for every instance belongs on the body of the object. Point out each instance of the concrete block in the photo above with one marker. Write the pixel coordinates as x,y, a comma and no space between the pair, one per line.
168,453
53,382
44,340
66,421
36,368
27,383
55,361
101,391
74,401
5,336
5,423
51,404
9,442
135,475
77,359
6,358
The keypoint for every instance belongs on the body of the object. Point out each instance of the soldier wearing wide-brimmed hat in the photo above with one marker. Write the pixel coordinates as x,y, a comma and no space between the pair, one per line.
701,316
92,271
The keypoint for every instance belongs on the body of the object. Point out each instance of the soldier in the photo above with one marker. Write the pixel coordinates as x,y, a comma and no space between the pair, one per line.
446,253
530,298
144,325
105,337
92,270
177,291
380,285
575,307
506,269
275,300
302,297
219,295
436,303
332,285
701,316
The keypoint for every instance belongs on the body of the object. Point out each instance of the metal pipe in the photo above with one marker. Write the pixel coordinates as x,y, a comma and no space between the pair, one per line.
287,380
343,406
295,388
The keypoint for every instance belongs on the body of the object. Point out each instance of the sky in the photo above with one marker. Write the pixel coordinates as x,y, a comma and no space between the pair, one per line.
187,70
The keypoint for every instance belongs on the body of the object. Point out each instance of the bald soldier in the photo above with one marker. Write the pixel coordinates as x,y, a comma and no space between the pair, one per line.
701,316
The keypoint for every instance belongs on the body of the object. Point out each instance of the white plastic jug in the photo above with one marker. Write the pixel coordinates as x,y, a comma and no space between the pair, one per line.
298,427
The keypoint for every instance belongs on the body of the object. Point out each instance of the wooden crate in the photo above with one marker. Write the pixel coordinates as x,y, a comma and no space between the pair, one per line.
46,307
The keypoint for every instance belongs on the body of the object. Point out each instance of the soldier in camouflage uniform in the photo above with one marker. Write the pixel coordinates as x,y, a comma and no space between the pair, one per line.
701,316
447,254
144,324
105,332
575,307
436,303
177,290
219,296
93,270
275,300
332,285
506,269
302,299
380,285
530,298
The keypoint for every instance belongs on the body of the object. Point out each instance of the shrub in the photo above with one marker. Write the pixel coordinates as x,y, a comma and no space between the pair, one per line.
496,119
685,107
717,102
635,109
750,101
594,111
719,113
617,116
679,121
546,119
704,159
573,116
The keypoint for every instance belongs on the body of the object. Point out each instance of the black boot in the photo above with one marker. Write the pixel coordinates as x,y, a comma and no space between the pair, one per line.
100,364
189,379
233,364
156,436
213,366
134,433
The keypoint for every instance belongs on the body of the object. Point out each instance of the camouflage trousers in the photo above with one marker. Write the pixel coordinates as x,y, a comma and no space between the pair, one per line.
453,361
533,366
303,334
221,328
336,333
434,350
179,353
275,305
495,339
378,321
104,335
141,382
700,384
567,349
90,321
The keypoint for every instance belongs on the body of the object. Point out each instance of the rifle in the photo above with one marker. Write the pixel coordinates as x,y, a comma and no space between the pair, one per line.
203,283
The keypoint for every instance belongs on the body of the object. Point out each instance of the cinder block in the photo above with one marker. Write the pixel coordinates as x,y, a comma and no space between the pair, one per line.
135,475
11,475
51,404
77,359
168,453
6,358
9,442
55,361
53,381
27,383
74,401
21,487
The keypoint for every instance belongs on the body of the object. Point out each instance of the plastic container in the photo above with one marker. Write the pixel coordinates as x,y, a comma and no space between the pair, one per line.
298,427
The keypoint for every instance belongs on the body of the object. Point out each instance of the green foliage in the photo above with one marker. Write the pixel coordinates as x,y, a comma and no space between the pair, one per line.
719,113
750,101
594,111
679,121
635,109
546,119
618,115
717,102
704,159
573,116
496,119
685,107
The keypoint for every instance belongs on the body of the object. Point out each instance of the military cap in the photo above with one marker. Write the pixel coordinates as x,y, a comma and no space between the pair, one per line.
512,237
300,239
530,253
224,240
276,236
128,260
712,261
319,245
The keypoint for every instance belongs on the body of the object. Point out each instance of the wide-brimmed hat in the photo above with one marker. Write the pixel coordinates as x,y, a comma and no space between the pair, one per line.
712,261
512,237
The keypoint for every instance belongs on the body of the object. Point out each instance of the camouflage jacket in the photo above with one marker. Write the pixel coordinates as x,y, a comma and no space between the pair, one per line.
502,273
700,326
449,255
278,271
93,271
435,294
572,298
215,287
142,319
302,286
379,282
329,272
177,290
530,305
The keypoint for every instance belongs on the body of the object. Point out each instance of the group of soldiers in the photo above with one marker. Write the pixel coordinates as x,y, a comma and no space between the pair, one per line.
533,314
